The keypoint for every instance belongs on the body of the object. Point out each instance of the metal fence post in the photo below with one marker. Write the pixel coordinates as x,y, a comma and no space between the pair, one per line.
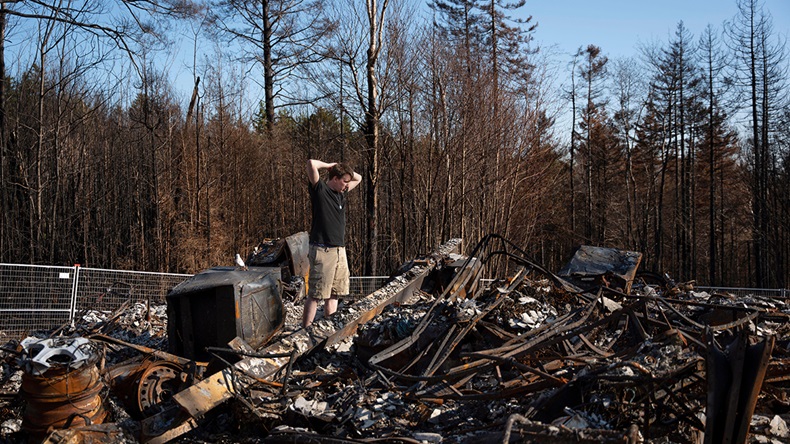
74,287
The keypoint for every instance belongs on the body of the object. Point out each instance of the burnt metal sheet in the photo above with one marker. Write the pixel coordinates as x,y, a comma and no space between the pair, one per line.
289,253
207,394
221,276
735,377
298,249
590,264
219,304
268,253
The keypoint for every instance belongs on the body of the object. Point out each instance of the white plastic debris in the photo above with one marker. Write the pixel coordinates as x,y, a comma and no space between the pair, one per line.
779,427
527,300
41,354
468,303
344,346
309,407
516,324
572,422
611,305
10,426
764,330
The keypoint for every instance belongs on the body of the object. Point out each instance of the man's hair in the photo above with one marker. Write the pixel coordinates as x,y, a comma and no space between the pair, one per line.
340,170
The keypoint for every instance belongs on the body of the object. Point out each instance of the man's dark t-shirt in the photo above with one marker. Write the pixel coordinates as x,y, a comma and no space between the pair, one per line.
329,215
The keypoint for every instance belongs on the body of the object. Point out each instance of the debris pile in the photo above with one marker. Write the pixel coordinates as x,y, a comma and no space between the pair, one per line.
597,353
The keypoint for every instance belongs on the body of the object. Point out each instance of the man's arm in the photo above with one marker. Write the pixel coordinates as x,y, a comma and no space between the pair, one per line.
313,166
354,181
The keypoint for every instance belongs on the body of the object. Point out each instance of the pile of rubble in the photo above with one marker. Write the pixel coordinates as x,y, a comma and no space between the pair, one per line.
596,353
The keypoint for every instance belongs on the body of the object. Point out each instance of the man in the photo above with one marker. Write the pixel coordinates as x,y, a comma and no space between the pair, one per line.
329,275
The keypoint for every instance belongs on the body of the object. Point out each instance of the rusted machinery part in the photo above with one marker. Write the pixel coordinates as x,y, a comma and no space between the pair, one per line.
61,398
60,382
145,384
157,384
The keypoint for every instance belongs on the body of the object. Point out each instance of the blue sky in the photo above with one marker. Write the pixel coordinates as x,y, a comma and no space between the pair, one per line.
619,26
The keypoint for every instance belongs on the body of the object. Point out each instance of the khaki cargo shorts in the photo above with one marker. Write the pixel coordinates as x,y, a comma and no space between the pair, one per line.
329,273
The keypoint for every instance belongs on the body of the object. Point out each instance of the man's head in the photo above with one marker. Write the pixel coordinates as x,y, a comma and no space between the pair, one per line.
339,177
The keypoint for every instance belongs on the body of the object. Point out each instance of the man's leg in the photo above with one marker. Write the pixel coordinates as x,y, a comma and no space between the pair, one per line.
330,305
340,281
323,262
310,307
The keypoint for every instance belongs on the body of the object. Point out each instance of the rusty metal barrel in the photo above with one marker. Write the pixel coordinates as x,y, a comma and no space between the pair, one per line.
61,397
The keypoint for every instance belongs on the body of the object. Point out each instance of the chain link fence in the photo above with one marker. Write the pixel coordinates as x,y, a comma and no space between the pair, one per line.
33,297
38,297
361,286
